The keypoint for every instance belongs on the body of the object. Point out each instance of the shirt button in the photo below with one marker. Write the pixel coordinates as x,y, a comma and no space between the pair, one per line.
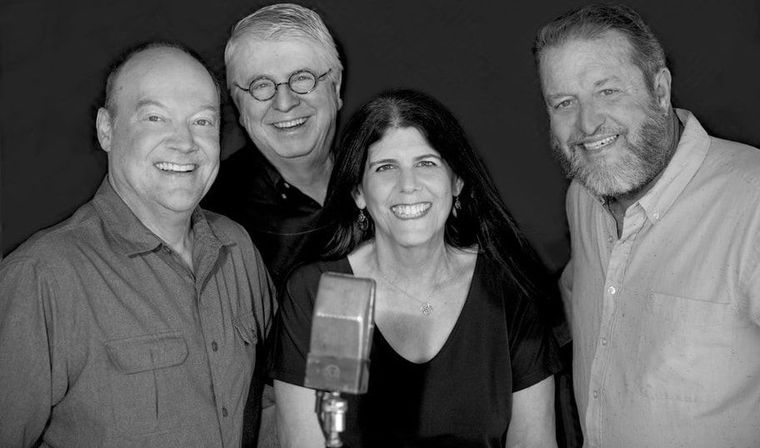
284,196
596,394
214,346
609,239
612,290
224,411
604,341
286,185
656,215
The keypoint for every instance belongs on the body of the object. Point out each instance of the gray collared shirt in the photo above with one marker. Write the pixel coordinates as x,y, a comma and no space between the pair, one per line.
108,339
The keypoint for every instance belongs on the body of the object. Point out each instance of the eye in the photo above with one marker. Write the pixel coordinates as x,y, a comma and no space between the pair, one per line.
608,92
383,167
205,122
262,83
154,118
563,104
427,163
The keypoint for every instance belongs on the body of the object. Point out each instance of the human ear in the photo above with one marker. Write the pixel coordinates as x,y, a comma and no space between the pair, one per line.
104,128
358,195
661,87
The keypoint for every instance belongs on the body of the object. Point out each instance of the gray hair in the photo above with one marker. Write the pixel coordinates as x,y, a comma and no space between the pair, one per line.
591,21
285,21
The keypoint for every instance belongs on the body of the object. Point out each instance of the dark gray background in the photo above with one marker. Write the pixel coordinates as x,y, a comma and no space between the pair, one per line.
472,55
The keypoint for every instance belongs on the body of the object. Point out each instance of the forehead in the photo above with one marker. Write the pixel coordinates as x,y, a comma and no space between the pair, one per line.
583,61
276,57
400,142
165,73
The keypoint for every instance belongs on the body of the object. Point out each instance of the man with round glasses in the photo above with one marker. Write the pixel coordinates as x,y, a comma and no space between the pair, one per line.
284,76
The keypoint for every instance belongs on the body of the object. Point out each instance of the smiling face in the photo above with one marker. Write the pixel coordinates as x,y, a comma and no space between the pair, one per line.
608,129
407,189
162,134
290,125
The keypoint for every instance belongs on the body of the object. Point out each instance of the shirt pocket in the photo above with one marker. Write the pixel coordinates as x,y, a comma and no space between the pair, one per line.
139,380
244,324
684,348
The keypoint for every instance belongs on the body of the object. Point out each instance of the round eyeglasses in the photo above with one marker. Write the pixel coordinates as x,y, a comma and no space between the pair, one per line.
301,82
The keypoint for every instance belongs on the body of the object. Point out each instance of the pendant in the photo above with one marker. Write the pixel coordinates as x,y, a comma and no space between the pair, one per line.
426,309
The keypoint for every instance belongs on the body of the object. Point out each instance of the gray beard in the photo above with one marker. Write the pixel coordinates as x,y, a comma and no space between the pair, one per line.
645,155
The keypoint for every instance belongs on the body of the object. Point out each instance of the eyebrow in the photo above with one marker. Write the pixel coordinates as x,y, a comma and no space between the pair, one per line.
272,77
146,103
601,82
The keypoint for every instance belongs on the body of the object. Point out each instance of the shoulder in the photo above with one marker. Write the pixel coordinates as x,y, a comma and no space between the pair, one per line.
54,245
308,275
734,161
52,253
244,171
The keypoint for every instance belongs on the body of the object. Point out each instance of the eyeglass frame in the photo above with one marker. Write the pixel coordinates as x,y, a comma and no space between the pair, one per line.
277,85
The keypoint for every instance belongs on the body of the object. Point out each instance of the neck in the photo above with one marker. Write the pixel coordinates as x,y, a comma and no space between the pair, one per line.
420,265
310,175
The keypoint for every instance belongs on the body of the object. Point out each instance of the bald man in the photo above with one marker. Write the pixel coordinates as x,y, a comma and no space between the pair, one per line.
135,322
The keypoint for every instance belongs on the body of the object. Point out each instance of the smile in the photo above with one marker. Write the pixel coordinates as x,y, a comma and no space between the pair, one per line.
599,144
175,167
285,125
411,211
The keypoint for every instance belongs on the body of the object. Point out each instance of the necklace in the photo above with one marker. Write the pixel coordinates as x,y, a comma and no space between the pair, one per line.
425,307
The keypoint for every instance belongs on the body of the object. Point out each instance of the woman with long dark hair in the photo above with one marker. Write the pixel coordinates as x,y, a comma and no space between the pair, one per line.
460,355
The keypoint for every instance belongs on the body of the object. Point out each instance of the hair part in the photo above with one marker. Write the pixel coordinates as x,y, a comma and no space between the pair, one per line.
590,22
129,53
285,21
483,219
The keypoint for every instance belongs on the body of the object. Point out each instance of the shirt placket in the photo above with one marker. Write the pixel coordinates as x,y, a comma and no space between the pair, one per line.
619,255
211,318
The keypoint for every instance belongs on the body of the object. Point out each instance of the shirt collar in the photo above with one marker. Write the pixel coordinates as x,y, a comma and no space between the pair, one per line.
131,236
690,153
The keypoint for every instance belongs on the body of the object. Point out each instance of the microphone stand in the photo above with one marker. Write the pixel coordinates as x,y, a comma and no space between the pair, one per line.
331,412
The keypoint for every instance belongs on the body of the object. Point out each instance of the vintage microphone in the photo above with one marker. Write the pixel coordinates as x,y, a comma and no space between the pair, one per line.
341,337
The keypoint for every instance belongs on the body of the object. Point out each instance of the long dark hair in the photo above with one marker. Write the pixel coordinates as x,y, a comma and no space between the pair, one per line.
483,218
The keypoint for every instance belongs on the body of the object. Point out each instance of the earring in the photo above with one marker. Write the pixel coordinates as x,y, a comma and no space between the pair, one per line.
457,206
362,220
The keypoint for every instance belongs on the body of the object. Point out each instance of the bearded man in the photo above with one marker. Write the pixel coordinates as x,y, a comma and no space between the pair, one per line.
662,290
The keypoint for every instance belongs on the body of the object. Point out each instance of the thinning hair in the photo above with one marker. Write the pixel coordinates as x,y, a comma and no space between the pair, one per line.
483,219
129,53
591,21
285,21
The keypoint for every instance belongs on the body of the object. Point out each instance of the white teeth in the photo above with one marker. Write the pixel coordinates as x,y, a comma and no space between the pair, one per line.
175,167
409,211
600,143
289,124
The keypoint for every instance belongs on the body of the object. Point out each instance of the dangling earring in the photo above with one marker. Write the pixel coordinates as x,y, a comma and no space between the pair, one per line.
457,206
362,220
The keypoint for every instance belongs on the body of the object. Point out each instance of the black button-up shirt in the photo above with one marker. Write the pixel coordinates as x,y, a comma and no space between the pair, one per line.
281,220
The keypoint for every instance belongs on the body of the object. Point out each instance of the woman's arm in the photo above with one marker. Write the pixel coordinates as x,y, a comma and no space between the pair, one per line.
532,423
297,424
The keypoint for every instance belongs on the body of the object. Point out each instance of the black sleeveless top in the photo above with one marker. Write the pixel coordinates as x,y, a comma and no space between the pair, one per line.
462,397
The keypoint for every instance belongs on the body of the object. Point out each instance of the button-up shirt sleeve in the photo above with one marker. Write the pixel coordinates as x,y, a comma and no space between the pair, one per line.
32,372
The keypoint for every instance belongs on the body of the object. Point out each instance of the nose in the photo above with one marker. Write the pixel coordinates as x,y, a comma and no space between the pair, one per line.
183,138
590,118
284,98
408,180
